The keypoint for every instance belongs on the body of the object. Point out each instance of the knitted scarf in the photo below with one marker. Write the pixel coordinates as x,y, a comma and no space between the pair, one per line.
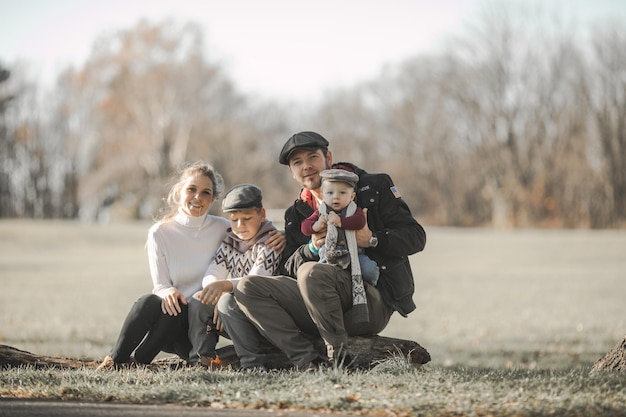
359,300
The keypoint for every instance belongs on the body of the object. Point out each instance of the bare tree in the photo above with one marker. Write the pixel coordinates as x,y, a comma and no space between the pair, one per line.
6,151
511,126
516,92
28,168
135,109
607,97
424,143
492,132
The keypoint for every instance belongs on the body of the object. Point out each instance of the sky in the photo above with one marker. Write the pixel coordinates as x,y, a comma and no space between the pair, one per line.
285,49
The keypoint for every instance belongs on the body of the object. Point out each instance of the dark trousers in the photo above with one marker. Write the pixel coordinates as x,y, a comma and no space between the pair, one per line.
148,331
319,302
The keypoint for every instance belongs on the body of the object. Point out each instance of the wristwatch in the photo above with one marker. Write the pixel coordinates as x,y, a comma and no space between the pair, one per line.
373,242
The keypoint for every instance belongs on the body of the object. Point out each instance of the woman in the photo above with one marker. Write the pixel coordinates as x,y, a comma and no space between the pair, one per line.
181,245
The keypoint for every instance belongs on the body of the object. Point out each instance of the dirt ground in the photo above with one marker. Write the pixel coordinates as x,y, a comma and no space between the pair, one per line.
535,298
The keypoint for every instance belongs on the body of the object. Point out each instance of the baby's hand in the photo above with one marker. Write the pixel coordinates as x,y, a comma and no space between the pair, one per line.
334,219
320,224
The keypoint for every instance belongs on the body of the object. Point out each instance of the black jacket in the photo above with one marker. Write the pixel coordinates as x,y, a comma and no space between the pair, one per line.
388,216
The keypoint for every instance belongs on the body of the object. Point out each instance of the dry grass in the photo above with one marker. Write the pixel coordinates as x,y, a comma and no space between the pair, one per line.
512,319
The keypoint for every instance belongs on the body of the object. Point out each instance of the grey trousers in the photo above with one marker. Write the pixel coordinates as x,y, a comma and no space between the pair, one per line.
249,344
319,302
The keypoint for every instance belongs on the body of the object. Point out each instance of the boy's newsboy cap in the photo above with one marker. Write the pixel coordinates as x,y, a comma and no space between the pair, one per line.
303,140
242,197
340,175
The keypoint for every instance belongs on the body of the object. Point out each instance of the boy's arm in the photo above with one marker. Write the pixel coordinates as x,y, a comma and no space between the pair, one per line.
355,222
307,224
217,270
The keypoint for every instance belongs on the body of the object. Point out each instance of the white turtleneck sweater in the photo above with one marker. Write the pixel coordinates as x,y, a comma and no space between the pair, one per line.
180,251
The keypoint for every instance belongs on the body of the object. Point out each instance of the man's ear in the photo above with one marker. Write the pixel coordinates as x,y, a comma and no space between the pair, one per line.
329,159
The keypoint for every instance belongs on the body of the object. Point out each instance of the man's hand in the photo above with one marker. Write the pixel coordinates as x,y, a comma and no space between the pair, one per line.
363,235
277,241
319,239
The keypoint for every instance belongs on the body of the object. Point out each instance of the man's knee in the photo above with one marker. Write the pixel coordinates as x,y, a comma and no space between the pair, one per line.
317,280
315,273
306,278
240,293
306,270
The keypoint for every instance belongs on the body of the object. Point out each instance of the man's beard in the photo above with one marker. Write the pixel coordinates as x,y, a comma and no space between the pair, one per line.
318,183
315,185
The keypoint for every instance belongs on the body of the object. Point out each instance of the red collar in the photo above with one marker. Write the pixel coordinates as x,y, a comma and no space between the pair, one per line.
307,196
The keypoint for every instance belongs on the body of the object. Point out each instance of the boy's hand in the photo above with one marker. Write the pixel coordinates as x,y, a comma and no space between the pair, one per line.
217,320
212,292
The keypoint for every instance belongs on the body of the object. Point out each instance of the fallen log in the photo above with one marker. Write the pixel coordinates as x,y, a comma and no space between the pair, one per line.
11,357
366,351
614,360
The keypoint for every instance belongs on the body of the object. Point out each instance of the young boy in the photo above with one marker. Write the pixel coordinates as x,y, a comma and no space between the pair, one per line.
243,251
340,214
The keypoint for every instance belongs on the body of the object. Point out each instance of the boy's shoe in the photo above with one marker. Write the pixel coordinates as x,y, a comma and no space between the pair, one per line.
209,362
314,365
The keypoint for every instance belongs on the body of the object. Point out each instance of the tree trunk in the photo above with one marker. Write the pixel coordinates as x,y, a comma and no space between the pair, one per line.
614,360
11,357
367,352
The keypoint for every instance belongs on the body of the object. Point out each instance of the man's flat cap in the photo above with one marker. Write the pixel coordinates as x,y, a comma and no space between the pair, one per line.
242,197
303,140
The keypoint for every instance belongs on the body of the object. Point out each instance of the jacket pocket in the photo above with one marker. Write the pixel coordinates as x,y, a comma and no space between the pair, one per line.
367,197
398,284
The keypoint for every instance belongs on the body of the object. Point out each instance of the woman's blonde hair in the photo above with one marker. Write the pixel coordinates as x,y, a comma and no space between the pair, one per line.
172,202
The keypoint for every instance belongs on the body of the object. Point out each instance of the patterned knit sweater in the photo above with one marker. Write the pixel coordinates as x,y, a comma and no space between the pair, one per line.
236,258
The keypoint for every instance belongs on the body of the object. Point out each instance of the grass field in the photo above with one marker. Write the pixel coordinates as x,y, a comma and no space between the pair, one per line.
485,298
529,301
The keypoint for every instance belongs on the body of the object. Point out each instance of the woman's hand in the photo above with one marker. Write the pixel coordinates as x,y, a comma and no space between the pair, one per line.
277,241
212,292
171,302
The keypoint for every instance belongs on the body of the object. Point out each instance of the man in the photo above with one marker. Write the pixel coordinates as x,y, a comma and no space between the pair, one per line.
320,300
